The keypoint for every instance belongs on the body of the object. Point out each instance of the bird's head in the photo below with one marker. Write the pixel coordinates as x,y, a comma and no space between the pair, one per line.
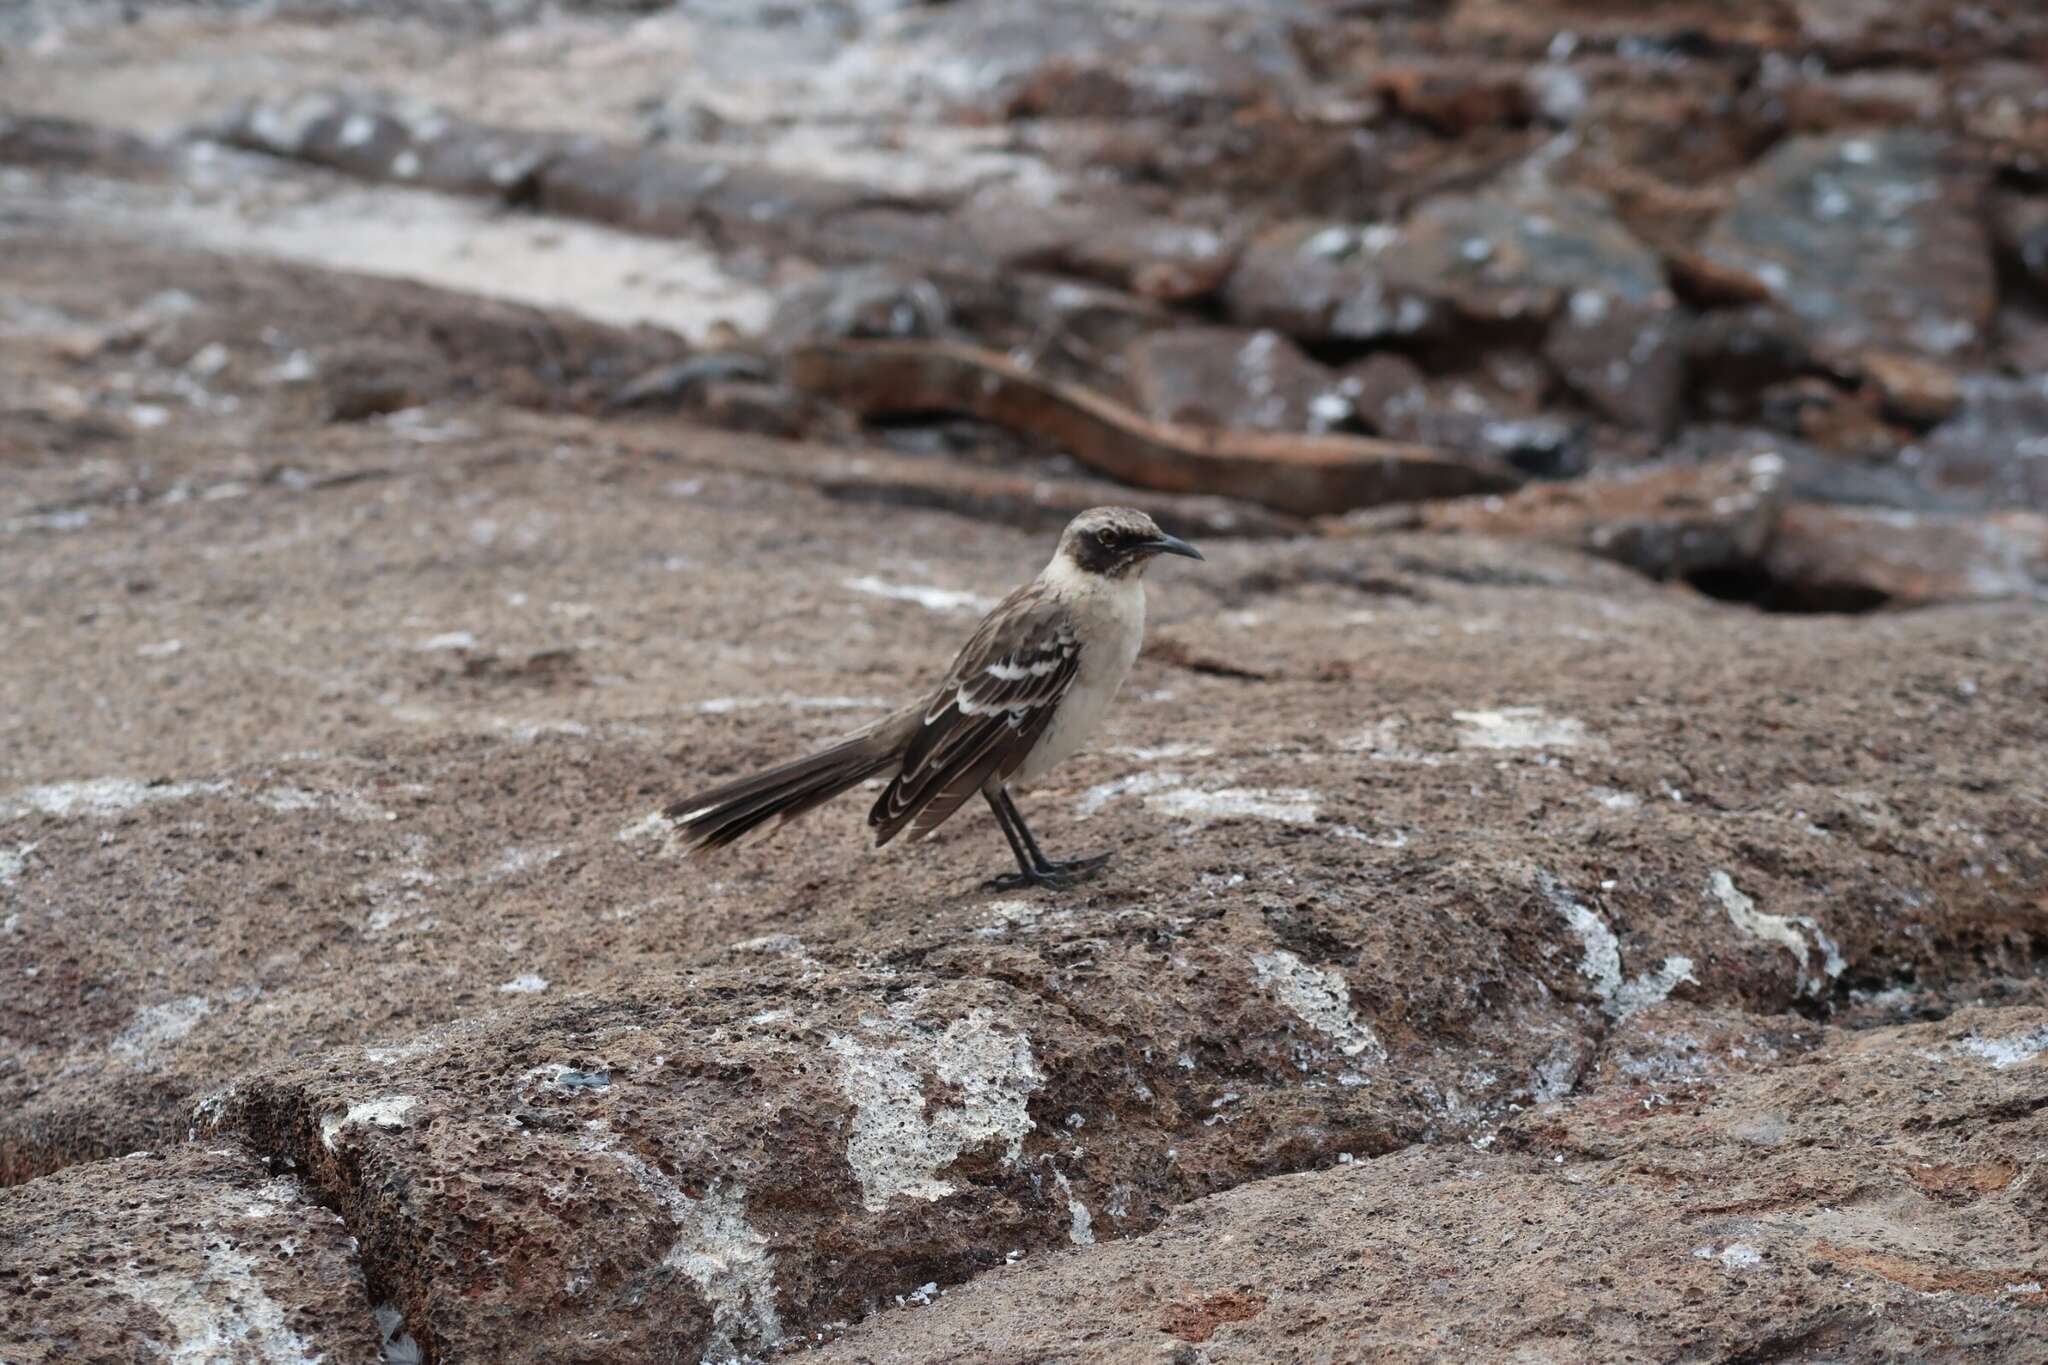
1116,542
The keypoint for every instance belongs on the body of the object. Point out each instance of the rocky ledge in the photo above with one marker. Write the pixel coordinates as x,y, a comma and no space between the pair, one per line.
1566,904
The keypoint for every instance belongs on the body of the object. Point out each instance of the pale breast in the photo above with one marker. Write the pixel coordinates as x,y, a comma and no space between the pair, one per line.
1113,626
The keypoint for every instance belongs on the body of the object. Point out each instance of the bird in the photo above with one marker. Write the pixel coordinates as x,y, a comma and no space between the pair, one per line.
1027,691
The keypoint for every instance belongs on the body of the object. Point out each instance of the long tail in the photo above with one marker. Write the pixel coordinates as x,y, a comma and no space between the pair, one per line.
725,815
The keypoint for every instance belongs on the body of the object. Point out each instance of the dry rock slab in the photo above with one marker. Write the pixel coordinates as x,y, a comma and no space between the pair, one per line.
1879,1198
196,1252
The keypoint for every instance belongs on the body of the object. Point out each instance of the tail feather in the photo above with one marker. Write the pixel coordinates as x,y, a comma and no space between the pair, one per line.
725,815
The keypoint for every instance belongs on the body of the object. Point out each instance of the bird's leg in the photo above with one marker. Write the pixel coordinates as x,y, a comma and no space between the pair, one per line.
1027,867
1034,868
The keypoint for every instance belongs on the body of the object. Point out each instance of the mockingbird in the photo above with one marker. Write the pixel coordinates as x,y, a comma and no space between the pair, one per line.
1027,691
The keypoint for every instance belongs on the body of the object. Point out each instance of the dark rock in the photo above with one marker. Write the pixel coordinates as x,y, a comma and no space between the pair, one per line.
2020,223
59,143
1667,522
1540,252
1734,355
1393,397
1873,240
1994,451
1832,417
859,301
1321,282
1863,557
1523,251
1626,357
741,405
1224,377
667,385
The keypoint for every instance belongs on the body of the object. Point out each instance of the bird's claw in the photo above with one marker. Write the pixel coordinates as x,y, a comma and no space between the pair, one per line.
1053,876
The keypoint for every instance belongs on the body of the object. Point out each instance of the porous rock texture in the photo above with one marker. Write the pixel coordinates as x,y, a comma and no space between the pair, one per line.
1512,951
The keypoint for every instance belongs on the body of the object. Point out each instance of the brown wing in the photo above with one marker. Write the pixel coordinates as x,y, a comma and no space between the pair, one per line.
992,708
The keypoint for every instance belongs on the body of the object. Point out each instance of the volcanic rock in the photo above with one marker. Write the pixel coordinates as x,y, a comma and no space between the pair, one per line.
1873,240
1225,377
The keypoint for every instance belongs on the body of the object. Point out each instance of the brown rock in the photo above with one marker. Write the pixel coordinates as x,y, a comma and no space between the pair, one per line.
1911,388
1302,475
1455,95
2001,104
189,1253
1862,557
1873,240
1849,101
1226,377
1709,283
1645,1220
1667,522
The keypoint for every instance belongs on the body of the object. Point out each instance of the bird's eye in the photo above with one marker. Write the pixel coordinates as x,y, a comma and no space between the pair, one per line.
1107,539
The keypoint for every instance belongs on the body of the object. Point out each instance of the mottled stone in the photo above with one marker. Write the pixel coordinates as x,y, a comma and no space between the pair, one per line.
1872,239
1226,377
1320,281
1661,1216
185,1253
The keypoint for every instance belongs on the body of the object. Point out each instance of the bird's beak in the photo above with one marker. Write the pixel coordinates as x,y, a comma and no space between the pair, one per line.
1172,545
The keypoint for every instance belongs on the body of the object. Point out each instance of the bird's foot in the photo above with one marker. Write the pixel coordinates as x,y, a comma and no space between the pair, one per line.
1054,876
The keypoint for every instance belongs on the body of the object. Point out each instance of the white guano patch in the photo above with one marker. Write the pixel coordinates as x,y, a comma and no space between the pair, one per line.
1734,1256
1601,959
725,706
724,1255
1080,1223
1518,727
1288,805
653,825
386,1112
1100,795
899,1146
1319,997
526,983
223,1314
156,1028
100,797
1782,930
949,600
13,862
2006,1052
